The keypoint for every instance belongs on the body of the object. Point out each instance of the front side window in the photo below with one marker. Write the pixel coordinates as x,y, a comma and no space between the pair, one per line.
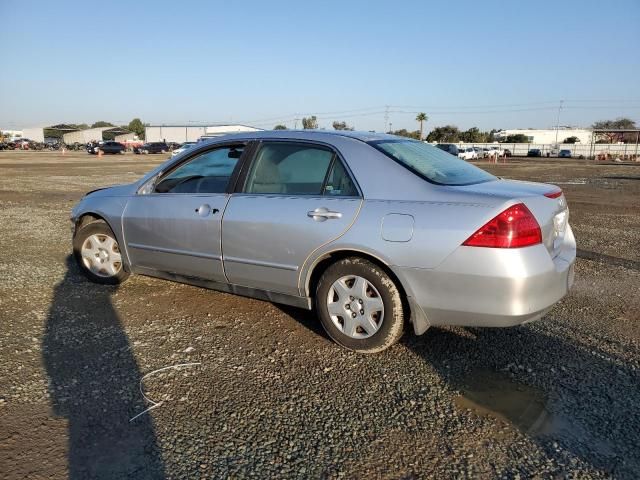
431,163
289,169
208,172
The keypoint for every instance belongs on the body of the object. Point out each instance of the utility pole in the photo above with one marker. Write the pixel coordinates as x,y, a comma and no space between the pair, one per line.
558,121
386,118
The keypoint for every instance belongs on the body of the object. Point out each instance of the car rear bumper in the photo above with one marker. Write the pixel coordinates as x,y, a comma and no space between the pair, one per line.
488,287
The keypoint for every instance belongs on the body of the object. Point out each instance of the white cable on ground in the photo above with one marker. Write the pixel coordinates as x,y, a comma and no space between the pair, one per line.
153,403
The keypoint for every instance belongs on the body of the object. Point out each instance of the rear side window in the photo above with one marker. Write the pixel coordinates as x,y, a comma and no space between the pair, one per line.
289,169
431,163
339,183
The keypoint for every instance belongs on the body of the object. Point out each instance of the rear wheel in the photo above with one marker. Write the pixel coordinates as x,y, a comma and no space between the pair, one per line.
360,306
98,255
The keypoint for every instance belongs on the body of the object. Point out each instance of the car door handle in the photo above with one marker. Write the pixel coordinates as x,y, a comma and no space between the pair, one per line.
323,213
205,210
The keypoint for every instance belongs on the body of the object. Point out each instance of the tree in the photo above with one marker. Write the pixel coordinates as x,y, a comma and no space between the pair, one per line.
617,124
102,123
405,133
280,127
519,138
341,126
571,140
446,134
136,126
422,117
473,135
310,123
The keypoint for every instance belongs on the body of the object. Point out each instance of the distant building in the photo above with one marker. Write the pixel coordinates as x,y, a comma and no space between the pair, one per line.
191,133
97,134
35,133
84,136
12,134
548,136
125,137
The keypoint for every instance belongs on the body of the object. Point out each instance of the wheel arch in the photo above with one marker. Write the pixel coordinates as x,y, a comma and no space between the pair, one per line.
324,261
413,311
90,216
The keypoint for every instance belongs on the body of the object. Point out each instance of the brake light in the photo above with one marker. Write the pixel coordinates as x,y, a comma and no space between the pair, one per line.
553,194
515,227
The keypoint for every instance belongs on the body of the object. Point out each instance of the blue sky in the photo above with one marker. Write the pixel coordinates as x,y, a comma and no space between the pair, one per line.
490,64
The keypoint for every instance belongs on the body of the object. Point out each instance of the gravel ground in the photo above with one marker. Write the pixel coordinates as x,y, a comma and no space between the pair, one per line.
272,396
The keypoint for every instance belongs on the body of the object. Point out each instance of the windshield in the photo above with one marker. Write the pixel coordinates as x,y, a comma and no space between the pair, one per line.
431,163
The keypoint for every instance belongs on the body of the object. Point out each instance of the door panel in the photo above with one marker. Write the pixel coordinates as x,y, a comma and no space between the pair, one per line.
176,233
266,238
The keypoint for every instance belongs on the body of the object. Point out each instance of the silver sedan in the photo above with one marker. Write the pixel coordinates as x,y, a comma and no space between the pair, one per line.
373,231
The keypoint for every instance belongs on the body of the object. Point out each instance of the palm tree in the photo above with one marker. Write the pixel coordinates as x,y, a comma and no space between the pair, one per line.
422,117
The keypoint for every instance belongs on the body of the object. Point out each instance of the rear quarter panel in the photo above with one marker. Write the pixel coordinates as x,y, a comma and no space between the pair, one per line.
439,228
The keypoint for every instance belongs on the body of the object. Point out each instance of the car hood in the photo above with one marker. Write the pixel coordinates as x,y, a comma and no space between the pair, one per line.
113,191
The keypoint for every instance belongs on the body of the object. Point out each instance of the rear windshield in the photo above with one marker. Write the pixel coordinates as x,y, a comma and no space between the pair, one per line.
431,163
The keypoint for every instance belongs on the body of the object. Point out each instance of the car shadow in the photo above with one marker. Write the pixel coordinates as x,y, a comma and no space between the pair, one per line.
561,394
94,384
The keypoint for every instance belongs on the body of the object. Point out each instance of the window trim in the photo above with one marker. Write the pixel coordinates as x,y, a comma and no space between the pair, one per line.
241,184
196,153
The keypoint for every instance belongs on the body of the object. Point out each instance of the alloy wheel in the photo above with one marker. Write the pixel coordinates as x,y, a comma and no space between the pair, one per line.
355,306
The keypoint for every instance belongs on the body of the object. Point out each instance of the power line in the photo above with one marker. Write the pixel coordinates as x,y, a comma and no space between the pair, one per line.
435,111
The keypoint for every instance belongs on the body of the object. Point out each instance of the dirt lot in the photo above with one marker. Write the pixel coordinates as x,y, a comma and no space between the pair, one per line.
272,396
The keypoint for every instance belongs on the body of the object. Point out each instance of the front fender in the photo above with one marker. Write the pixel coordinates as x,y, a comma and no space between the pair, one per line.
110,209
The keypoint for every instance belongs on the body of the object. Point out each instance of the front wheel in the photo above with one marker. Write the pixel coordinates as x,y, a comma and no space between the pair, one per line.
360,306
97,253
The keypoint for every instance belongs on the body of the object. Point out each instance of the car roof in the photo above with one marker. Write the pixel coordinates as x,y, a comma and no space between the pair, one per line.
321,135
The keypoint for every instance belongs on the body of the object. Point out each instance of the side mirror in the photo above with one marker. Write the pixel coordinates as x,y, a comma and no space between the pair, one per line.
149,186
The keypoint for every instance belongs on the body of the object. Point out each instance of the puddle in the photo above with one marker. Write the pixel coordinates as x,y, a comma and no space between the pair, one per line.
491,394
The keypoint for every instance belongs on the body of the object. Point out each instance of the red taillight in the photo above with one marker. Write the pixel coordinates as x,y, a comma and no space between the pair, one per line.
513,228
553,194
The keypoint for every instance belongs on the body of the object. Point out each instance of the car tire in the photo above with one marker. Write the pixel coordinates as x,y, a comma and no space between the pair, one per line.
96,251
374,303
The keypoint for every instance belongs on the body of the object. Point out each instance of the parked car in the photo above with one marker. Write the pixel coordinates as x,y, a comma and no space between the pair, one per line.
152,147
372,230
481,152
467,153
496,150
110,147
534,152
451,148
564,154
21,143
181,148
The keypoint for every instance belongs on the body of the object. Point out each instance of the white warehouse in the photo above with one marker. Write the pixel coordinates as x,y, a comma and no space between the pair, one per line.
548,136
190,133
